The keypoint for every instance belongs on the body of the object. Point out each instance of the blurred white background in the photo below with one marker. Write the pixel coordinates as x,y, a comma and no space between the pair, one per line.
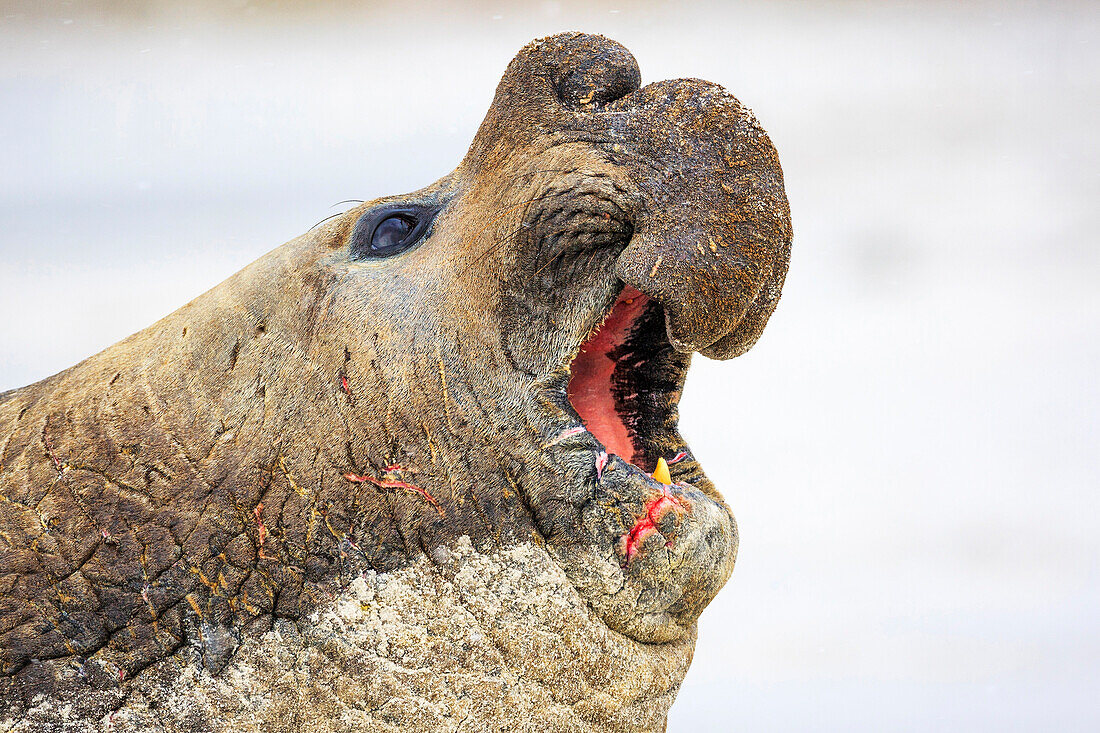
912,450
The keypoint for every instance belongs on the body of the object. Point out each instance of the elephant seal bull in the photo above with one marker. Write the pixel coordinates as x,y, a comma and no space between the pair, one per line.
418,469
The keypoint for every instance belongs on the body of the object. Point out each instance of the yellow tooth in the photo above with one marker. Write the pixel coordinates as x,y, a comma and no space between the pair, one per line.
661,472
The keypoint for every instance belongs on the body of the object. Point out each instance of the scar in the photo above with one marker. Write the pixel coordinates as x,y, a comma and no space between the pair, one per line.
190,598
601,464
443,386
149,603
568,433
258,513
646,525
387,483
290,479
656,265
49,450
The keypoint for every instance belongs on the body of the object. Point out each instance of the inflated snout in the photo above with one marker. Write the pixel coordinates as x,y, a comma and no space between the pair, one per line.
713,243
712,234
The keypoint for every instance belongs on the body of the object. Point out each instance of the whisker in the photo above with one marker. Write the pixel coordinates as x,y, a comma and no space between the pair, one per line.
497,243
557,254
488,250
338,203
326,219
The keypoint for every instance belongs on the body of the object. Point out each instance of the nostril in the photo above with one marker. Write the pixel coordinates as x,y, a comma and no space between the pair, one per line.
604,72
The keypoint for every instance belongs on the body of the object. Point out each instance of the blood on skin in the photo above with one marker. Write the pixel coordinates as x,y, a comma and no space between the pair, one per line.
646,525
386,483
590,382
601,464
258,513
49,449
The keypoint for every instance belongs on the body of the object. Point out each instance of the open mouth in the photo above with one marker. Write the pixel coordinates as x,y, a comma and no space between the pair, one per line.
625,385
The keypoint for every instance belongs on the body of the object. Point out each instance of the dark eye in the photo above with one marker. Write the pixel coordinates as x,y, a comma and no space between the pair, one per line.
390,230
391,233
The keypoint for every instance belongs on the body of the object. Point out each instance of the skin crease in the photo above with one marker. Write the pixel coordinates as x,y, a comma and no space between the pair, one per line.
189,519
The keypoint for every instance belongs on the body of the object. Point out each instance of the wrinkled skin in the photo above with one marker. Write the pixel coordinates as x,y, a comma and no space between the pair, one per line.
193,503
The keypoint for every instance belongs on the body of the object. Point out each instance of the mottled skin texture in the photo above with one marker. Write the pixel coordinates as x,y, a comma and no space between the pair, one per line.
186,511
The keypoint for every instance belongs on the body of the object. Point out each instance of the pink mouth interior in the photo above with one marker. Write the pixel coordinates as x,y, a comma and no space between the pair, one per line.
590,388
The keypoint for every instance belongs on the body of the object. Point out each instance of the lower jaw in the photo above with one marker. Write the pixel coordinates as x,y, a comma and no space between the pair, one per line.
646,551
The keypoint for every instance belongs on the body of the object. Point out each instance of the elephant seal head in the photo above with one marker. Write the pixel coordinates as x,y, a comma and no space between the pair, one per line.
494,361
546,298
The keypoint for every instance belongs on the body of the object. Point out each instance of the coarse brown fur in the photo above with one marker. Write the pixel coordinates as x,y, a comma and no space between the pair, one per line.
197,523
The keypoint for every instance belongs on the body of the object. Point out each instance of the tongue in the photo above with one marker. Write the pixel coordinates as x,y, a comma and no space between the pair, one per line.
590,389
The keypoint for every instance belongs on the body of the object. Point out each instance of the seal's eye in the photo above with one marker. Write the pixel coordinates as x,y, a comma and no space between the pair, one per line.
391,233
390,230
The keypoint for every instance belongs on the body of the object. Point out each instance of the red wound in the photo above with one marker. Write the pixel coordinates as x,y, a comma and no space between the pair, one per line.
646,525
394,484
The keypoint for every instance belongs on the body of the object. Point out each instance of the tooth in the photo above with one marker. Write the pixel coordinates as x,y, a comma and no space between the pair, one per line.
661,472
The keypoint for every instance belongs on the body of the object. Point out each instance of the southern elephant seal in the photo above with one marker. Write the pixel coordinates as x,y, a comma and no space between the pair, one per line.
418,469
